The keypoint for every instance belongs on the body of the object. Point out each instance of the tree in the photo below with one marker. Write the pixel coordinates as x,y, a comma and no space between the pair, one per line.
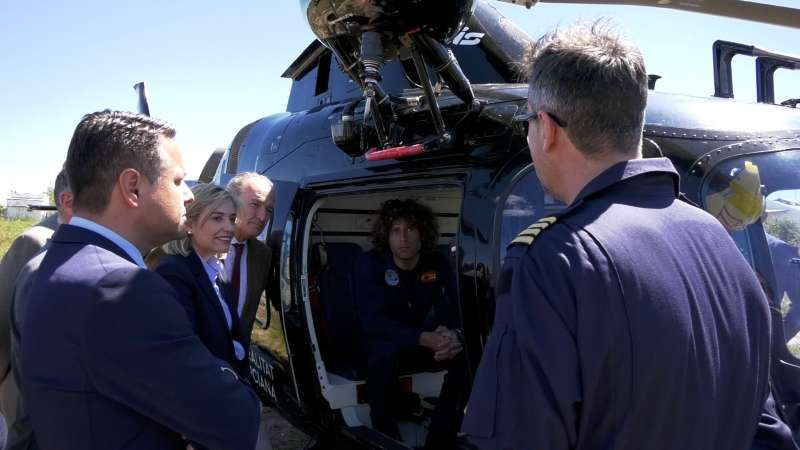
785,229
51,194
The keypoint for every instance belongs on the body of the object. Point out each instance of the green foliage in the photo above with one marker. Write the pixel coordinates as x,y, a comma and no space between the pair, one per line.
785,229
786,305
794,346
10,229
51,194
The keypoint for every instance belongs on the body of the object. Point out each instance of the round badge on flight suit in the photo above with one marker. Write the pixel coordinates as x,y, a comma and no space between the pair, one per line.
391,277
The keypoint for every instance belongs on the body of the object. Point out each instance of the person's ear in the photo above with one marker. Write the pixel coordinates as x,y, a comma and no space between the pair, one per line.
65,200
550,132
130,185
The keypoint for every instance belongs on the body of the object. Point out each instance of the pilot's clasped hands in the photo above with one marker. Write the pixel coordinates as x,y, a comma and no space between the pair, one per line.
444,343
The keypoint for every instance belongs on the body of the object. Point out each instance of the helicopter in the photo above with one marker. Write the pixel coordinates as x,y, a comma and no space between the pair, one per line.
418,102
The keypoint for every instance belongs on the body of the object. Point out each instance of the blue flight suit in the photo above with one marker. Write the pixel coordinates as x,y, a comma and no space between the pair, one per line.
394,307
629,322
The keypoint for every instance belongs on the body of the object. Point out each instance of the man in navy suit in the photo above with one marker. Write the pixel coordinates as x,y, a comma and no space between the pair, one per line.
109,358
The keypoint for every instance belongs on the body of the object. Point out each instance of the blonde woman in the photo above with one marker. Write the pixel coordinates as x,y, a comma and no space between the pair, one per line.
192,268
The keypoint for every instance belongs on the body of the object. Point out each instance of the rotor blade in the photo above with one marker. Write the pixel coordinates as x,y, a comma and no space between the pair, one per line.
737,9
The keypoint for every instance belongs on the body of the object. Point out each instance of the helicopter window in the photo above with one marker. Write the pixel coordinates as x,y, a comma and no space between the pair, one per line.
757,198
525,204
285,272
782,228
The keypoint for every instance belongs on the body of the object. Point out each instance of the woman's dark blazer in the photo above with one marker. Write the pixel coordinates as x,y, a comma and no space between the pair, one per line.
188,277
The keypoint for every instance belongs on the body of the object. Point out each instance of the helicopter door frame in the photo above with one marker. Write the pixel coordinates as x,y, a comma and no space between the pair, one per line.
338,395
280,233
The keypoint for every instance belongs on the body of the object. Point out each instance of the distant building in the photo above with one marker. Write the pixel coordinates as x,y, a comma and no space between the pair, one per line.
17,206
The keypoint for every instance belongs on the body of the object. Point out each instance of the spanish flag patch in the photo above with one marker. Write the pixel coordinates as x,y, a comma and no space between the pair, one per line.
527,236
427,277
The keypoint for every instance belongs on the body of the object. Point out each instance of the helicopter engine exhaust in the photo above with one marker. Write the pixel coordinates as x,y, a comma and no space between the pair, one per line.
446,64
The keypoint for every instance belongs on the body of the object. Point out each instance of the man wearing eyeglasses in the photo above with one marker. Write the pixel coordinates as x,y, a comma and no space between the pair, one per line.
630,321
248,260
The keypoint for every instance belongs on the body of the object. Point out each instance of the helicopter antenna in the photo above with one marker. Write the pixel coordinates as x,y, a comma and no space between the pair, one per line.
736,9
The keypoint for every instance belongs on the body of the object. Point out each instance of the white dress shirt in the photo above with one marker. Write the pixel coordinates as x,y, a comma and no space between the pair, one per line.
213,268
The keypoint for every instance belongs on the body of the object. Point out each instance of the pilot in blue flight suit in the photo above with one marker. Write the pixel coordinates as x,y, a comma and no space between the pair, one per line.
406,298
630,321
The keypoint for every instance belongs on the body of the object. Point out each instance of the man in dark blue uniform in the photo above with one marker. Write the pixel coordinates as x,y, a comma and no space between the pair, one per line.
406,300
630,320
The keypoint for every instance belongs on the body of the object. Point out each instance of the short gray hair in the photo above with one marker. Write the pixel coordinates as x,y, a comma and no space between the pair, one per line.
595,81
61,185
206,198
236,183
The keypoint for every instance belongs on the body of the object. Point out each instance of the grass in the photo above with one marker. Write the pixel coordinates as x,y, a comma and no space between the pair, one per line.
10,229
271,338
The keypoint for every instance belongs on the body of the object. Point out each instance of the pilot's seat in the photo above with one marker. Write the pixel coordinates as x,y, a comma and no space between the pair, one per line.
331,267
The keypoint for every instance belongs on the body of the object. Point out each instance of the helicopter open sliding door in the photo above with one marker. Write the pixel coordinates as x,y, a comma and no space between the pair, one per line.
334,233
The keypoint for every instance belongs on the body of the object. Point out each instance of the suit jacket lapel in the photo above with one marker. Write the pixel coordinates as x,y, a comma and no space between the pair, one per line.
252,266
257,264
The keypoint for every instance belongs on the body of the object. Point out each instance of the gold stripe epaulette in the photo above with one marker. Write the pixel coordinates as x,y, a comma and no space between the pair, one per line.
527,235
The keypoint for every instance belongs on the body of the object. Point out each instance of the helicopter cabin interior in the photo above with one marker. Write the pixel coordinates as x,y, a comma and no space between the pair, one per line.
338,232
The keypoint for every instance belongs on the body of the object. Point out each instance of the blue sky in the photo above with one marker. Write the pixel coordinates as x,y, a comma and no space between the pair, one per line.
213,67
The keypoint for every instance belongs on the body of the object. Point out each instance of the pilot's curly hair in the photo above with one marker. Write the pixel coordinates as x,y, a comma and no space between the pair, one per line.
412,212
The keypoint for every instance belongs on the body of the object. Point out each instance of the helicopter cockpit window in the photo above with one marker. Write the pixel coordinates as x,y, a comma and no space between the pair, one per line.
525,204
782,228
757,199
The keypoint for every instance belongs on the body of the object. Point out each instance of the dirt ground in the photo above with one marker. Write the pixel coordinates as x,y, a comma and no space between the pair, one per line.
282,434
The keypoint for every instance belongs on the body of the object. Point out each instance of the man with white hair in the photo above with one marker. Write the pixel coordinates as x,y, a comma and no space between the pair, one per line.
248,261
